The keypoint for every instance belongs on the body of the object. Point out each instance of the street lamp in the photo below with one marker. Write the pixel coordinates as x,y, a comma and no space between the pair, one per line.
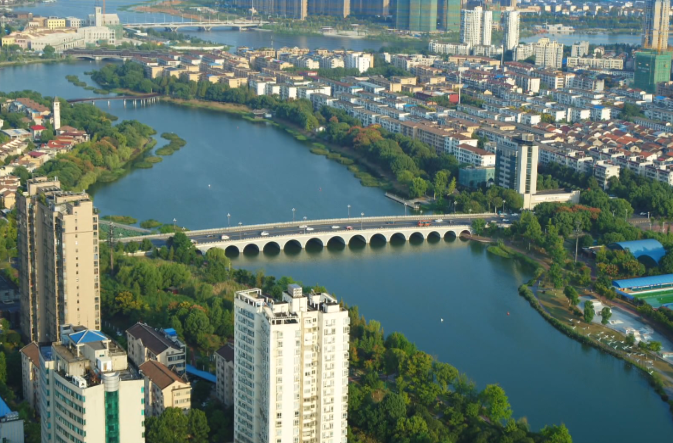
293,215
229,220
304,225
405,209
349,211
362,216
174,221
241,233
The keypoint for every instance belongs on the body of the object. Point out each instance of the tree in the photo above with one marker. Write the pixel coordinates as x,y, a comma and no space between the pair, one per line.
630,340
170,427
3,368
478,225
197,323
146,245
49,51
132,247
197,426
589,311
556,434
654,346
418,187
573,296
441,180
494,400
606,313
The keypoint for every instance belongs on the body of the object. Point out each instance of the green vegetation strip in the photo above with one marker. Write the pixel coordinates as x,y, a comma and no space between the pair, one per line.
175,143
123,219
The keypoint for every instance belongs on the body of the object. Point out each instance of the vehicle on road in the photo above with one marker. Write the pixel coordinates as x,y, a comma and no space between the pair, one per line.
505,220
424,223
349,228
644,214
336,227
209,235
193,241
390,223
303,227
264,233
494,221
224,237
308,228
515,214
439,220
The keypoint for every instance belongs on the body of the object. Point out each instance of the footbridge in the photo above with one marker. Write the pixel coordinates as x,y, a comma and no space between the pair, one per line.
323,232
201,25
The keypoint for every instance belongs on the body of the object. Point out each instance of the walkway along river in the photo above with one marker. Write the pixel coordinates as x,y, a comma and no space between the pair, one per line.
258,174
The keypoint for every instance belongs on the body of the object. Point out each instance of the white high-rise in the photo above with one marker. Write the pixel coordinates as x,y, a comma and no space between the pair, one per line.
87,392
476,26
291,368
548,54
511,29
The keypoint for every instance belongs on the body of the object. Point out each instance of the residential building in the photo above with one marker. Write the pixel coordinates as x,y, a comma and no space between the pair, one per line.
55,23
87,392
98,18
448,12
164,389
277,397
548,54
655,24
359,60
416,15
163,345
516,165
511,29
73,22
224,371
58,260
596,63
651,68
379,8
476,26
339,8
604,170
30,375
11,425
579,49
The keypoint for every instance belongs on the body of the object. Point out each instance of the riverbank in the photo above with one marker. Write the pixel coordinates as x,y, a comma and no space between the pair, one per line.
552,304
34,62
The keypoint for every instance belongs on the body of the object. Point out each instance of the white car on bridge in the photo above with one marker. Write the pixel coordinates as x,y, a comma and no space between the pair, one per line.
264,233
336,227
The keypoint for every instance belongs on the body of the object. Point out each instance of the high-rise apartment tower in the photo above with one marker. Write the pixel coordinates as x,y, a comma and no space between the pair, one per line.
58,260
656,23
510,21
476,26
291,368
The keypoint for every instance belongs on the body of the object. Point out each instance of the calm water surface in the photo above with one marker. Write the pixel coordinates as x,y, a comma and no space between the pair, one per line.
259,174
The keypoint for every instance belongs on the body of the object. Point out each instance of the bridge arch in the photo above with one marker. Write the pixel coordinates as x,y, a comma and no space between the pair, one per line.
435,234
251,248
465,232
337,239
271,245
358,238
401,235
379,236
417,235
293,242
316,241
231,249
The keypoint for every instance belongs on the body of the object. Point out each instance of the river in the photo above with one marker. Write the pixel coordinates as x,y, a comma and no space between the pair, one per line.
258,174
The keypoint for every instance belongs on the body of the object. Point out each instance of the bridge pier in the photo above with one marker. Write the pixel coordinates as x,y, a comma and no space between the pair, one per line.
108,103
124,102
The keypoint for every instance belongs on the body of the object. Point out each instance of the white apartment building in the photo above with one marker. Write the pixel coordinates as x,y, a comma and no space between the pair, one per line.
548,54
291,368
87,393
579,49
476,26
511,29
358,60
596,63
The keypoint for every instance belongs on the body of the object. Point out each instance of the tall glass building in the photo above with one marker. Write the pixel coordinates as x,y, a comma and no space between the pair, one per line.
416,15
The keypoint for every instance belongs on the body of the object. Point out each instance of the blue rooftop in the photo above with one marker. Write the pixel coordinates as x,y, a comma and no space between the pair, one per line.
4,409
87,337
207,376
654,280
648,248
171,332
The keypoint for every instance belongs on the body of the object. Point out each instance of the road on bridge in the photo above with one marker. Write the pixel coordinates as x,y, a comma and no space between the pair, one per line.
236,233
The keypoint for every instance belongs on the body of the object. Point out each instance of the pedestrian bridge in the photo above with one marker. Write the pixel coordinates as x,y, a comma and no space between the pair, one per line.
323,238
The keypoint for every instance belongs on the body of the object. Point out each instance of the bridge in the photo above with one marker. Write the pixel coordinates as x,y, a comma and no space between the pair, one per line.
323,232
143,98
201,25
110,54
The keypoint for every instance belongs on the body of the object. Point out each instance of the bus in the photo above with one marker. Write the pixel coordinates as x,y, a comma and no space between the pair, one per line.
424,223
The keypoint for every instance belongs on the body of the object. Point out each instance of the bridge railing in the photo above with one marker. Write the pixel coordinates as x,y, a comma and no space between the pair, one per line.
353,220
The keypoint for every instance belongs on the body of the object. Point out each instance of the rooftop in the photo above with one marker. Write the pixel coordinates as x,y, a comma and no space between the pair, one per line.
159,374
154,339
